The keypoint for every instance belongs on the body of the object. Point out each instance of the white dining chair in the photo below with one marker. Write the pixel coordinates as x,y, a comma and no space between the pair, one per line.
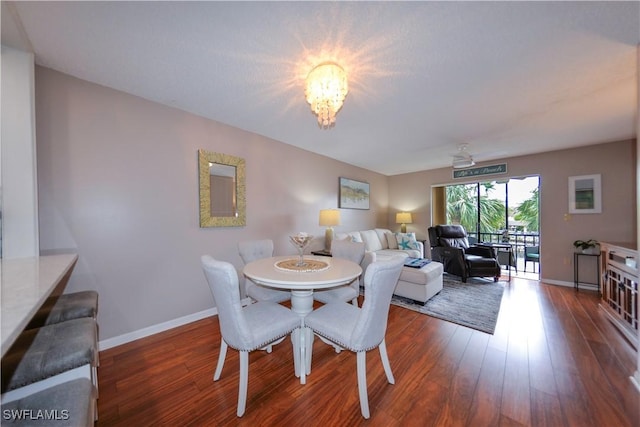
251,251
353,251
243,328
362,329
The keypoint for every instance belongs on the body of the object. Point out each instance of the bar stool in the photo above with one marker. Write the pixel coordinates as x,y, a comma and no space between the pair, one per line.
47,356
70,403
65,307
60,308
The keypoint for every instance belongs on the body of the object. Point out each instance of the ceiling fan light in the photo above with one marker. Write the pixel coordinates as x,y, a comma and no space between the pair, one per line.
462,162
462,159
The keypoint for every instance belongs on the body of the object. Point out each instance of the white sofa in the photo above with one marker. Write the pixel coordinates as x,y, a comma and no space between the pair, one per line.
382,241
417,284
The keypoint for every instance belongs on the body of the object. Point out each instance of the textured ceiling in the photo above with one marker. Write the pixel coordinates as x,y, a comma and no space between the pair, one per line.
506,78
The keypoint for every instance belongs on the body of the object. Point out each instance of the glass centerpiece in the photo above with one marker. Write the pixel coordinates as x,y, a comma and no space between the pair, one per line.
301,241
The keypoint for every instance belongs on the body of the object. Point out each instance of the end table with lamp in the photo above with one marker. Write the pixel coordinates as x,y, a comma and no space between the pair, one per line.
403,218
328,218
322,252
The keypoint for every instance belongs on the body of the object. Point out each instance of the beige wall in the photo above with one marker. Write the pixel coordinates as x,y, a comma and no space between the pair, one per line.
617,222
118,184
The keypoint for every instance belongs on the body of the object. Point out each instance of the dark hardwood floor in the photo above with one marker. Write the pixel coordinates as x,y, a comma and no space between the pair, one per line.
554,360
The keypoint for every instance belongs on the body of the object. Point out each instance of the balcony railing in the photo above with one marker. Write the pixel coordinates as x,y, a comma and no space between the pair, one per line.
517,240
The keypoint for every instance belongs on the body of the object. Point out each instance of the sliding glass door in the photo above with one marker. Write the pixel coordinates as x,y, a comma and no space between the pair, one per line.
462,206
494,211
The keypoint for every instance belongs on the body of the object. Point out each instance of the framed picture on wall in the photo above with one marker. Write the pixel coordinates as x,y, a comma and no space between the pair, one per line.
585,194
353,194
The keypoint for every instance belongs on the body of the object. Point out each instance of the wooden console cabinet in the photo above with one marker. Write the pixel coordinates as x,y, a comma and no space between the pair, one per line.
619,269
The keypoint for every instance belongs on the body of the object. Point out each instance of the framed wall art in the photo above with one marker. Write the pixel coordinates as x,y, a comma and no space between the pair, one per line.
353,194
585,194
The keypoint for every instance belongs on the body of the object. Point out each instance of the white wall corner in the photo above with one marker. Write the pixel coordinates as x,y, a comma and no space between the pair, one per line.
18,170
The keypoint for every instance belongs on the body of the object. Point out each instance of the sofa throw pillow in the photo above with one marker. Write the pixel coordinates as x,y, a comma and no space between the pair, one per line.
407,241
382,236
355,237
371,240
391,240
341,236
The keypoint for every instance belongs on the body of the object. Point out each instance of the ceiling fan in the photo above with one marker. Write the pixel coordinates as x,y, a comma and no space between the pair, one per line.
462,159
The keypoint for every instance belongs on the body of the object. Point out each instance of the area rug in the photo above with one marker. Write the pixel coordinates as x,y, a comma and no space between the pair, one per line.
474,304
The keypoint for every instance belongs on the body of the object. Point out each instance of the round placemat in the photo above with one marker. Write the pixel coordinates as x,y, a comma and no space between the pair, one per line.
310,265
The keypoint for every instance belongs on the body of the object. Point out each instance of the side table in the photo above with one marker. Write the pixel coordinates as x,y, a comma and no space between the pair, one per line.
322,252
576,269
504,254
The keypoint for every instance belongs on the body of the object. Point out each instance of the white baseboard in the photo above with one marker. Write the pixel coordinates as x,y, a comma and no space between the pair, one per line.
154,329
161,327
584,286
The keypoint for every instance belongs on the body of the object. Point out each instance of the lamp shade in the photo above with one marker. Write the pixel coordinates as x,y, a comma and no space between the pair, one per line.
329,217
403,218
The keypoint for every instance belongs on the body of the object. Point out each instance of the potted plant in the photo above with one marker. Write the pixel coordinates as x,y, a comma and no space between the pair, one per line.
590,246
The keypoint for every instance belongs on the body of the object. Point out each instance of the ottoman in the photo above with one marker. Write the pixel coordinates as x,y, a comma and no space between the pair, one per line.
420,284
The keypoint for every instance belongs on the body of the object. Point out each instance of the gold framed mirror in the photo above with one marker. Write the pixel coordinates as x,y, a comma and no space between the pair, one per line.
222,190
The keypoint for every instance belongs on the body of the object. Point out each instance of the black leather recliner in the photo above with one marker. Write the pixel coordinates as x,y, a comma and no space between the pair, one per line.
450,246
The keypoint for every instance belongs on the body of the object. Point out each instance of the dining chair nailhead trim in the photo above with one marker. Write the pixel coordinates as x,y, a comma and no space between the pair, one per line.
341,344
264,344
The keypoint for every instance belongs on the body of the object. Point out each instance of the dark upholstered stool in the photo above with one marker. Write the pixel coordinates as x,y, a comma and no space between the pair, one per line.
49,355
65,307
71,403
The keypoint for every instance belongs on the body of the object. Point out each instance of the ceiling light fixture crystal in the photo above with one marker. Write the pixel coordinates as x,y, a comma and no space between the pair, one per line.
325,91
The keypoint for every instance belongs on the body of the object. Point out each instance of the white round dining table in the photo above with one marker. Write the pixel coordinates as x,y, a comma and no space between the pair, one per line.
302,284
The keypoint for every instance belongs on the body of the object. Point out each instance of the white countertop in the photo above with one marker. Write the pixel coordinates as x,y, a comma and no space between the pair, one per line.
26,284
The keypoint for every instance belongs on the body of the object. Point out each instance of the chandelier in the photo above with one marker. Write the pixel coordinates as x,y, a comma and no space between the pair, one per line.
325,92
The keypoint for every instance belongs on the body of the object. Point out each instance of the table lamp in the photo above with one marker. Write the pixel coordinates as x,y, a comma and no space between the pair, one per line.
403,218
329,218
